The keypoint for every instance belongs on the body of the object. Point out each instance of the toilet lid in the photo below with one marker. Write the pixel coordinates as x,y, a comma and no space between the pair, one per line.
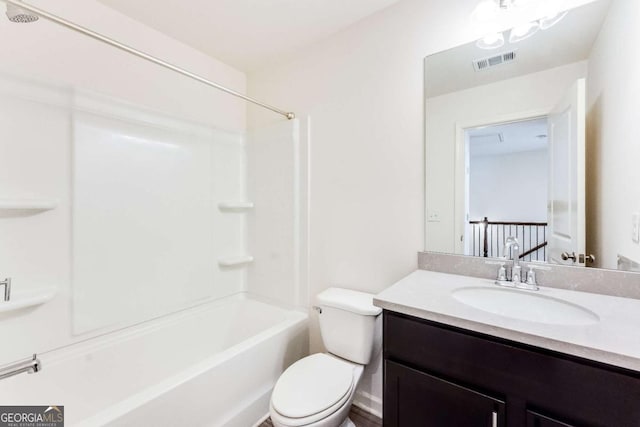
312,385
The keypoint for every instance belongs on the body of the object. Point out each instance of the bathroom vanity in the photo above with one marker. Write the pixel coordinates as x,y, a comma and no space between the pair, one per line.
460,361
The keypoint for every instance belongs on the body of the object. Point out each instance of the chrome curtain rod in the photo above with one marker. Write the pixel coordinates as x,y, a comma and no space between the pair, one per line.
97,36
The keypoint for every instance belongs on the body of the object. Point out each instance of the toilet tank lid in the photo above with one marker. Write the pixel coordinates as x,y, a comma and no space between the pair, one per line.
346,299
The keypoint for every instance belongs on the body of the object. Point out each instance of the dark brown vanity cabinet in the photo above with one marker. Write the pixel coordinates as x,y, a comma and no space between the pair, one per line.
438,375
421,399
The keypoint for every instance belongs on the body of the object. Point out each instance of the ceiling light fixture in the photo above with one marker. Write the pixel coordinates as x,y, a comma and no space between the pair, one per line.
485,11
491,41
523,31
523,19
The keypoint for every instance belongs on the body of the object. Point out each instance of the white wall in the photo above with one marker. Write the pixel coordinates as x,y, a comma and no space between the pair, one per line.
509,187
362,89
613,151
36,151
526,96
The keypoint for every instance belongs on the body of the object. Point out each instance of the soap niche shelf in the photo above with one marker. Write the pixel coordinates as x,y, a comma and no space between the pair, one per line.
27,298
28,206
235,206
235,261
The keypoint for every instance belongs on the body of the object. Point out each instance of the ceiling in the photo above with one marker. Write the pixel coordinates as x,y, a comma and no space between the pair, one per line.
516,137
569,41
247,34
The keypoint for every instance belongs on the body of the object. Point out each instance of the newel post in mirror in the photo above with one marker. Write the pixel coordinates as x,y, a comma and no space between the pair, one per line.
485,224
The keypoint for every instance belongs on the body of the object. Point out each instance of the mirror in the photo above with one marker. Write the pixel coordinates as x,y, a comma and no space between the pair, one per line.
538,139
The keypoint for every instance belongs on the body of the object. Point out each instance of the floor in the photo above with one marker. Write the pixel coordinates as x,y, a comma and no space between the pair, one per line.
360,418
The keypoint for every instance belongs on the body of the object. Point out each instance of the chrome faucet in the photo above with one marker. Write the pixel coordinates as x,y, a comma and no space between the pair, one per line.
511,244
7,288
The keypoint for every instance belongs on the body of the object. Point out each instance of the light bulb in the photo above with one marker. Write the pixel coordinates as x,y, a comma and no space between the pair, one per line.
523,32
491,41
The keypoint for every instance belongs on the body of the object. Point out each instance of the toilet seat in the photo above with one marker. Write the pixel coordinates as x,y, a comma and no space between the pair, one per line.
312,389
280,420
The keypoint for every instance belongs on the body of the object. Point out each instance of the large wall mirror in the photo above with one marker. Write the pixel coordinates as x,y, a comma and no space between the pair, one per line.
534,132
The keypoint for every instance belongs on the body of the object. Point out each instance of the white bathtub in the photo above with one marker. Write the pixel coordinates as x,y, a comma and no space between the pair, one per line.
213,365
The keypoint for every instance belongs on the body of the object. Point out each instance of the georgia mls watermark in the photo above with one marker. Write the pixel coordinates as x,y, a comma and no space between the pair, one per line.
31,416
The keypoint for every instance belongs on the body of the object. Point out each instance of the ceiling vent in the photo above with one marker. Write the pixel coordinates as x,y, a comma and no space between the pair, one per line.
494,61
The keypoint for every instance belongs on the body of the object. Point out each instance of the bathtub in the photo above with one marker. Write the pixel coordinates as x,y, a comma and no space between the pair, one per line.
213,365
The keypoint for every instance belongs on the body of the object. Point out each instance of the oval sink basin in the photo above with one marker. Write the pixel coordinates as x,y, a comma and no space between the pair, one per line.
525,305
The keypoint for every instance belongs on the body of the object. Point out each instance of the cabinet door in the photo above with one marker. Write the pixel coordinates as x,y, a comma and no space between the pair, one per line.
536,420
415,399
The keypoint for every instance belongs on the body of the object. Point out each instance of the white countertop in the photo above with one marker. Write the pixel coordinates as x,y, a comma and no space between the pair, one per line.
614,339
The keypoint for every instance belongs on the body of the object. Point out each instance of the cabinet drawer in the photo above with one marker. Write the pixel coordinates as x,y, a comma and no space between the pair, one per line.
593,394
423,400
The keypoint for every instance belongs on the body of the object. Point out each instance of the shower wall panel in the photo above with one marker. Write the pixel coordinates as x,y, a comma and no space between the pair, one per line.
275,228
45,69
145,196
35,129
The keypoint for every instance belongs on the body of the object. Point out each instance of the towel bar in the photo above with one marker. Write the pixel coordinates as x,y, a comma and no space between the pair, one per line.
30,366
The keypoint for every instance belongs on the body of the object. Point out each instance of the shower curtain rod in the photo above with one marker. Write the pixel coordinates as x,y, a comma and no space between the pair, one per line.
80,29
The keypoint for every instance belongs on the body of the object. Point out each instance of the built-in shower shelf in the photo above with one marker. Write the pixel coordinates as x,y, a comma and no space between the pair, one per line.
235,206
28,204
235,261
28,298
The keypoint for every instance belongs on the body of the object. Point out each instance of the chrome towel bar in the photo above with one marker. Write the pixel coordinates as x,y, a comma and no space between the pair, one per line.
30,366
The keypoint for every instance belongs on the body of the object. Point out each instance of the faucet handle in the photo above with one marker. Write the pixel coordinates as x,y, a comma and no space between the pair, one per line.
7,288
530,284
531,276
502,273
502,279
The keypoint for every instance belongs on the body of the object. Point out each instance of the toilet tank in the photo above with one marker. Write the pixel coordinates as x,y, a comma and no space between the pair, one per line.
349,324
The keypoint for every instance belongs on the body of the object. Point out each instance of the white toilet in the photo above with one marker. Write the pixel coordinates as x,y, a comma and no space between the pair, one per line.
317,391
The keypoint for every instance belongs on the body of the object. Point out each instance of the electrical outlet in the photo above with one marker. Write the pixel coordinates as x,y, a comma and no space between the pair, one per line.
433,216
635,227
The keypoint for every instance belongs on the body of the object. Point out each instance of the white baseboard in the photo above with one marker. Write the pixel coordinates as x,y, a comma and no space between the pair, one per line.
369,403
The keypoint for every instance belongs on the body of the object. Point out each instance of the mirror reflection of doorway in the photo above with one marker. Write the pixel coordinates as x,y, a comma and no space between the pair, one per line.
506,188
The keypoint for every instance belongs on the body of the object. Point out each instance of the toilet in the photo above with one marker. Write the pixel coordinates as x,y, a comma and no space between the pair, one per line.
317,391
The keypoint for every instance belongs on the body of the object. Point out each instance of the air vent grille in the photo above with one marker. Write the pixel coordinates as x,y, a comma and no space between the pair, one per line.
493,61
